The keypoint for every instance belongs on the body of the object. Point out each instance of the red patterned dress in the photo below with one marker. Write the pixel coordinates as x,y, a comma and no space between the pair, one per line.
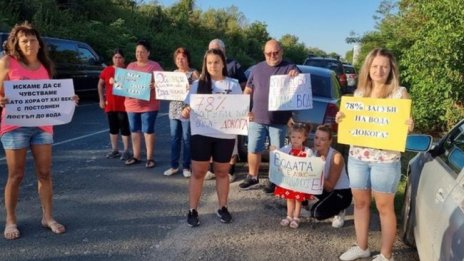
290,194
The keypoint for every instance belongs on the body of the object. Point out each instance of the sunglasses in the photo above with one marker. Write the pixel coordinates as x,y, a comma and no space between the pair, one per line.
269,54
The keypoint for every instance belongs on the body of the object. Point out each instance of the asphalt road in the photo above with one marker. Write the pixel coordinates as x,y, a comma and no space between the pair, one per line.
115,212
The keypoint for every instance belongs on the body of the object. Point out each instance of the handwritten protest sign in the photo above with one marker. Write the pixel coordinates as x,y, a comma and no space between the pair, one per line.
39,102
290,93
302,174
219,113
171,86
132,84
374,123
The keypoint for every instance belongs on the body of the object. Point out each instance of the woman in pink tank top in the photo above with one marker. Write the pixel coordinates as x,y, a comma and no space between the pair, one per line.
27,59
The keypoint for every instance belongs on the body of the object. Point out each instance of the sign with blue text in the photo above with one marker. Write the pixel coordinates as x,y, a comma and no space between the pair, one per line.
290,93
130,83
301,174
33,103
218,113
171,86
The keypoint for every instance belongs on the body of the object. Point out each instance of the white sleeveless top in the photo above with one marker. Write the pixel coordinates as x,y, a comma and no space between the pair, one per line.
343,182
377,155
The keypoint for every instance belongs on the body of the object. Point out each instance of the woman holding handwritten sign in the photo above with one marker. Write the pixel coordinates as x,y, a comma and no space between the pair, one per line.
114,107
213,80
336,195
142,114
27,59
180,127
375,172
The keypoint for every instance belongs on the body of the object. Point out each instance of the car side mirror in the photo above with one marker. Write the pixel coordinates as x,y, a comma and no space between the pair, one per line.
418,142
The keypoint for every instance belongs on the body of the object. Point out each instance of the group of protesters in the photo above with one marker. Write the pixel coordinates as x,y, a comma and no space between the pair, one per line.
370,172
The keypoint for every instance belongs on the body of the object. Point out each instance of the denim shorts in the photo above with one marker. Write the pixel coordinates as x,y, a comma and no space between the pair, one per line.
142,121
257,134
380,177
24,137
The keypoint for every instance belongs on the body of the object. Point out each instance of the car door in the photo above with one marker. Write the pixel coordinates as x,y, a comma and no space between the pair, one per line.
450,231
90,66
437,198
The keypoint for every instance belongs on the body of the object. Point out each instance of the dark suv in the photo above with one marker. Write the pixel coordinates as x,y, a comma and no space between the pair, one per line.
332,64
73,60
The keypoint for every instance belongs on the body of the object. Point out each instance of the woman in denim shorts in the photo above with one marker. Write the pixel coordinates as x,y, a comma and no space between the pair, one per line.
142,114
375,172
27,59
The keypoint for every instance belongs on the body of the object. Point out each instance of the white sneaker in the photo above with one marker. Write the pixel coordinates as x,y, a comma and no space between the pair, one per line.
381,257
210,175
339,220
232,178
170,172
187,173
354,253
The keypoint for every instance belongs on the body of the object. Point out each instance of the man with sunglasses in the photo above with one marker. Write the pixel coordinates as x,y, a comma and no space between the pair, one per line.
265,123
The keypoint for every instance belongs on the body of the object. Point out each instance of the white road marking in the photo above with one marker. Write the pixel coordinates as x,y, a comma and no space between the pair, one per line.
85,136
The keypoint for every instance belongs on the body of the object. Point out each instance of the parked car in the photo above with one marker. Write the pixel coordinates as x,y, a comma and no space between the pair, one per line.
433,210
73,60
351,77
326,100
332,64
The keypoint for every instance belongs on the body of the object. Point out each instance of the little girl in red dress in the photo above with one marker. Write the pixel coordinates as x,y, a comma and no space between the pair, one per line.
298,136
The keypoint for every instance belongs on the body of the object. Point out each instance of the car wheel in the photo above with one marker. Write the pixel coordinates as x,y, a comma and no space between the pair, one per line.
408,216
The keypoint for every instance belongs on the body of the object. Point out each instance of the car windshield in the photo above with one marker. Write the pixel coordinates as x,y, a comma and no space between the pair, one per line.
321,86
332,65
349,69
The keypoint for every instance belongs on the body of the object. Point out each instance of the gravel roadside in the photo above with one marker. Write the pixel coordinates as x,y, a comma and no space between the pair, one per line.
255,233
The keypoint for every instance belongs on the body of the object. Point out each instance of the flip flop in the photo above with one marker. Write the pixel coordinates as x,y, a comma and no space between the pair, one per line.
132,161
150,164
54,226
11,232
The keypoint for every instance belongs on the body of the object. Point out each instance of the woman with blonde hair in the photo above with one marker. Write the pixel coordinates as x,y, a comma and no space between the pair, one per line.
375,172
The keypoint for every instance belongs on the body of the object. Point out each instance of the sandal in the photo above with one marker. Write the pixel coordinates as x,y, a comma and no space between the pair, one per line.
132,161
54,226
284,222
150,164
295,223
11,232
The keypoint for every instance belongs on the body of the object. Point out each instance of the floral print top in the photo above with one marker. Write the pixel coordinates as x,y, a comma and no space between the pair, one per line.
376,155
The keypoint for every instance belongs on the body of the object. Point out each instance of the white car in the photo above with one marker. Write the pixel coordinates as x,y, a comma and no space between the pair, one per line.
433,210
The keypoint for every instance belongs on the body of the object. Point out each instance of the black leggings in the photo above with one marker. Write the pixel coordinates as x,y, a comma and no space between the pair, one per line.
118,121
331,203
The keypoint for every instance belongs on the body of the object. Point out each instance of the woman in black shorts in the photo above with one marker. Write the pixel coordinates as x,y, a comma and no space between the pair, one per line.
218,146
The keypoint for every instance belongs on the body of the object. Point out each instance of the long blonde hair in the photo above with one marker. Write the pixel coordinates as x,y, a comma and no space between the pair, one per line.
365,81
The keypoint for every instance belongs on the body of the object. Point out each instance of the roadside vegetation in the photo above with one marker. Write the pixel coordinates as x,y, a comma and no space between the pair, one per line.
426,37
107,24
